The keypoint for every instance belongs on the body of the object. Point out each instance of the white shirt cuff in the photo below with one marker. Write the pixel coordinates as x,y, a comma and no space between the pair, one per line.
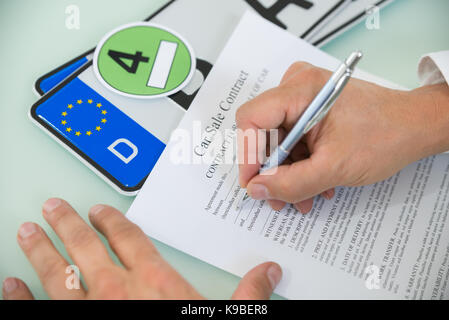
433,68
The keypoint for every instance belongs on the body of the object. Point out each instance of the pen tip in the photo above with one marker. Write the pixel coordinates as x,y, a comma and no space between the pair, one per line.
242,201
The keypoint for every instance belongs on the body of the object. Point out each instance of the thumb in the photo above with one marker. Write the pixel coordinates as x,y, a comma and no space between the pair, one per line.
259,283
294,182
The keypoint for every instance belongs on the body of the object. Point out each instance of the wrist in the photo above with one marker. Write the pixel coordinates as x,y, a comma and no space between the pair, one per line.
429,106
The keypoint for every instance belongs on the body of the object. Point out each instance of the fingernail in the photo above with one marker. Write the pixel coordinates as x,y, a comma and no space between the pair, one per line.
10,284
259,192
304,207
274,274
27,229
51,204
328,194
95,209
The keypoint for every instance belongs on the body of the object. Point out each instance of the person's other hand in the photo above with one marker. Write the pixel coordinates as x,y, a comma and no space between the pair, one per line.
144,275
370,133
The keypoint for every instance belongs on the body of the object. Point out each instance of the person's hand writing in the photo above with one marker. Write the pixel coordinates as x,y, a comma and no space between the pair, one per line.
370,133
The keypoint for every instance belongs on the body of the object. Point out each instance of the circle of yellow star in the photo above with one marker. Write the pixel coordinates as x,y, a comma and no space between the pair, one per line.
88,132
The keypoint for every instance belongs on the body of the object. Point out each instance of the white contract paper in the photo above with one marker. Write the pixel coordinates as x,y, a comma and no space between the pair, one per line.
387,240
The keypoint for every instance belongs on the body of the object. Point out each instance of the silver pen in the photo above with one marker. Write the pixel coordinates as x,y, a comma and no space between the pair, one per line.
314,113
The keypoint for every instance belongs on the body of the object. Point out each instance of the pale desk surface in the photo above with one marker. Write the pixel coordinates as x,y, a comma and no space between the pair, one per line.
33,167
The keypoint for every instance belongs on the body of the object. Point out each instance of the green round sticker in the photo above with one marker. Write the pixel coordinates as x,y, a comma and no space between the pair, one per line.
144,60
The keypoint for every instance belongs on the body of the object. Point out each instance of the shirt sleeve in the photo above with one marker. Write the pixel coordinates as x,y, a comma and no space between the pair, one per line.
433,68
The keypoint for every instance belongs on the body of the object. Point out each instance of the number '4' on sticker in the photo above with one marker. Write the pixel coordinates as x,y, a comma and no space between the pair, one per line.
136,58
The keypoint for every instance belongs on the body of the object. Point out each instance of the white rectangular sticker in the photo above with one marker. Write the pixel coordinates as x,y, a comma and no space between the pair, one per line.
162,64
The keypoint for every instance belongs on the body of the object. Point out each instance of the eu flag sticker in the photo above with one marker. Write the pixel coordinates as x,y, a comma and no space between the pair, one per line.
100,133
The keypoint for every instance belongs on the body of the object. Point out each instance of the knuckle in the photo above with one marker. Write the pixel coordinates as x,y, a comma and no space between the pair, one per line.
110,285
301,64
284,186
163,280
314,74
121,233
81,236
157,274
52,268
293,69
240,115
296,66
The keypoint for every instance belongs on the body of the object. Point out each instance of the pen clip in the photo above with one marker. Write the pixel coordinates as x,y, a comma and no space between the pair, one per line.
329,102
